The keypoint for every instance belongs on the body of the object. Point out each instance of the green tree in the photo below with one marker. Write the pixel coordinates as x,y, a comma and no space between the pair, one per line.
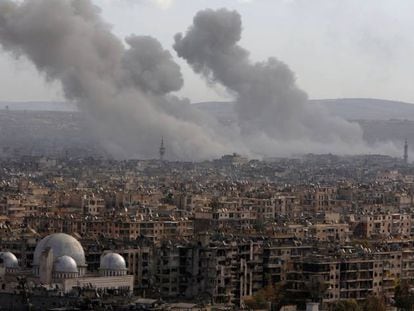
404,296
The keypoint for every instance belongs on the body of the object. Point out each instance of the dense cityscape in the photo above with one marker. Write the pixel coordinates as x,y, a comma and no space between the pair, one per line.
214,155
318,231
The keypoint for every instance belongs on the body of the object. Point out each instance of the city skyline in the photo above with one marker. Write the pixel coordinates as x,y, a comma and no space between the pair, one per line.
206,155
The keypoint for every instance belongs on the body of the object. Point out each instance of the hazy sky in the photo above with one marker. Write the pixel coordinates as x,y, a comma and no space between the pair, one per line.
337,48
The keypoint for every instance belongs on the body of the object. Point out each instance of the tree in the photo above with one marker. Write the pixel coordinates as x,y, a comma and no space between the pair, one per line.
346,305
404,296
374,303
168,199
316,288
257,301
273,294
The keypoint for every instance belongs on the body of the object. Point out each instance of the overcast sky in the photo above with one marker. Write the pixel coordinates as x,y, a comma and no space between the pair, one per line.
337,48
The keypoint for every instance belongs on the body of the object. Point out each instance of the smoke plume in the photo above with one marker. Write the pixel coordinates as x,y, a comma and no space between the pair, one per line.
125,87
272,112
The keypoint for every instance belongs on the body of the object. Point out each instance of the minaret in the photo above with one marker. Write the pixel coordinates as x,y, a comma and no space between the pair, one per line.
162,149
406,152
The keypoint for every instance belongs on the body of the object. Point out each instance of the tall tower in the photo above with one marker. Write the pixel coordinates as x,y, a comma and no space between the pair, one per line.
406,152
162,149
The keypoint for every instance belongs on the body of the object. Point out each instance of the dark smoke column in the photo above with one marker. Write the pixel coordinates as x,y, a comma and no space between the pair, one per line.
124,89
268,100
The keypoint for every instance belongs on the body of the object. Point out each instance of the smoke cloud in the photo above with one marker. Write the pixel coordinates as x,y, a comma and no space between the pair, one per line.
269,103
125,87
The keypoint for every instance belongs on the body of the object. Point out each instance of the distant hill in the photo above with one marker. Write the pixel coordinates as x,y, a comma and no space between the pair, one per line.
347,108
50,127
38,106
381,120
368,108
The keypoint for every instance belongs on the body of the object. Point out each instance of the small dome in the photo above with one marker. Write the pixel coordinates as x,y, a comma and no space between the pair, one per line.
9,260
113,261
65,264
62,244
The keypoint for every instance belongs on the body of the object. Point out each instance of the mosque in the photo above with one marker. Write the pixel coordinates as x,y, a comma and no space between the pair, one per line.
59,263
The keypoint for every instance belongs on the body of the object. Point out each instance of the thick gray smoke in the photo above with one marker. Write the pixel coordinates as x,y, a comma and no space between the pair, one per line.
124,90
125,87
272,111
150,67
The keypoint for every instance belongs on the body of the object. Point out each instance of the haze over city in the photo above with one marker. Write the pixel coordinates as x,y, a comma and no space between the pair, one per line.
142,78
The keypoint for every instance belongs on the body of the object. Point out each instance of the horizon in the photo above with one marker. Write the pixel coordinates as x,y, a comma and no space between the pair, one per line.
214,101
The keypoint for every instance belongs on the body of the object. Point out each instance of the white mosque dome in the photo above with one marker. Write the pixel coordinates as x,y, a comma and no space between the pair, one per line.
113,261
65,264
9,260
61,244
